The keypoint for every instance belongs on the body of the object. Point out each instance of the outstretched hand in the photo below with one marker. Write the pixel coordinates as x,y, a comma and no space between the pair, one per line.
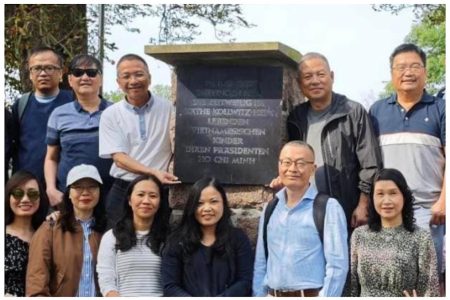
407,294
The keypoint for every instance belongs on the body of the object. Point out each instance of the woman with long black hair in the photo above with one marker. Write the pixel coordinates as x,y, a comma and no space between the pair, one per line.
129,261
391,256
26,205
206,255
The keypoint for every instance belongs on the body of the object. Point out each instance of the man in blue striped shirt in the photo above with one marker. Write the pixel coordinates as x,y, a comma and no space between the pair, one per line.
298,263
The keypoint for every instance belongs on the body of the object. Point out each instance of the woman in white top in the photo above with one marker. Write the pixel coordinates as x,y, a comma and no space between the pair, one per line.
129,261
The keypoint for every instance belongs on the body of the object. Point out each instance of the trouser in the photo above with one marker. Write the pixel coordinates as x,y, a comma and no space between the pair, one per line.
423,217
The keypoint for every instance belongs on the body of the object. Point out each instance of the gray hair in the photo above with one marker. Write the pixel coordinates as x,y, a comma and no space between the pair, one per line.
300,143
311,55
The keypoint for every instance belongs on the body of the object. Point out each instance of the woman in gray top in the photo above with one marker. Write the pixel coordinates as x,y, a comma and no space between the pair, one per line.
391,257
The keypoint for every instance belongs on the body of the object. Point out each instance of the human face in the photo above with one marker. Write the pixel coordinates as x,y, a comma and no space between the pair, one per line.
84,86
25,206
316,80
44,83
144,200
210,207
297,175
408,73
134,80
84,194
388,202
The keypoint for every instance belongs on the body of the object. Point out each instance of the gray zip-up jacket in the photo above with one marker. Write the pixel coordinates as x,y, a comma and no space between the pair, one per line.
349,148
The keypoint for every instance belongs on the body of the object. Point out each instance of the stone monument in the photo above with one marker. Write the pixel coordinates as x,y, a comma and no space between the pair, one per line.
232,101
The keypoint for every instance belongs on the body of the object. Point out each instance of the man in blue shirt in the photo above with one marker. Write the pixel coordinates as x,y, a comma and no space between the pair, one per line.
30,122
298,263
410,126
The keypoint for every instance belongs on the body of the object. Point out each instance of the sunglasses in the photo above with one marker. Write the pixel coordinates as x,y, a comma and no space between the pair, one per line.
81,72
18,194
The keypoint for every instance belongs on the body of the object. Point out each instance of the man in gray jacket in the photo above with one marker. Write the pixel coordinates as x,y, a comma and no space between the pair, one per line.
339,130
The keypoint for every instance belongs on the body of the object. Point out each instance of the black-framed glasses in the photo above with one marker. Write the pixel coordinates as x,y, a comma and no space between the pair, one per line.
80,188
81,72
299,164
48,69
32,194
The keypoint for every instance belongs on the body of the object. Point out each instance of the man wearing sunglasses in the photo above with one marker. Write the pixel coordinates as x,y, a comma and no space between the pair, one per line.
135,133
72,132
32,110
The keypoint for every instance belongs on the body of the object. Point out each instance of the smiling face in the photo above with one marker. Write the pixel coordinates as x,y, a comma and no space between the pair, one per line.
388,202
210,207
144,200
316,80
84,194
134,79
296,176
24,199
408,73
85,86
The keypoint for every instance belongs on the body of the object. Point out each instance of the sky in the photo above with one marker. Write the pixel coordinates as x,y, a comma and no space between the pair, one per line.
356,40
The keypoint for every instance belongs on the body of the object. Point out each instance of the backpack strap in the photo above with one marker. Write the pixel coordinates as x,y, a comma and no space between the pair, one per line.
268,212
319,211
23,101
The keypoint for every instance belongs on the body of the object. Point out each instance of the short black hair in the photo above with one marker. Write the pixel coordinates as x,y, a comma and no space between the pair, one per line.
85,60
41,49
132,56
397,177
408,47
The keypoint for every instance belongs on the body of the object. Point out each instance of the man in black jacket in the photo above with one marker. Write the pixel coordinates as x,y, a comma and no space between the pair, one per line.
339,130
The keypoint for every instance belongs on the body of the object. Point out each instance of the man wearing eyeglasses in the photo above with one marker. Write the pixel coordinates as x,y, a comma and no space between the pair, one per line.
341,135
135,133
32,110
410,125
298,262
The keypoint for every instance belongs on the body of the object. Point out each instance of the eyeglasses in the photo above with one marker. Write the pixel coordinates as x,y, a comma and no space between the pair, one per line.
80,188
81,72
18,194
128,76
413,68
299,164
35,70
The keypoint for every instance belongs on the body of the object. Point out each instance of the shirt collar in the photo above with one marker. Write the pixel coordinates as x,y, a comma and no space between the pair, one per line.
310,194
426,98
101,107
145,107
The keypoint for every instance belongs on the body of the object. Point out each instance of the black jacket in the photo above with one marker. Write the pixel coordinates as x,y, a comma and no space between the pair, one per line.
349,148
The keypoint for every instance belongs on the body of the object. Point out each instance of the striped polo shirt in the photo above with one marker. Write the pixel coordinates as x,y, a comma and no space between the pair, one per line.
412,142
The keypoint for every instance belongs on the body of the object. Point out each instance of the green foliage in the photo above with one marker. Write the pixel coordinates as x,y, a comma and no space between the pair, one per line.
65,28
429,34
162,90
62,27
114,96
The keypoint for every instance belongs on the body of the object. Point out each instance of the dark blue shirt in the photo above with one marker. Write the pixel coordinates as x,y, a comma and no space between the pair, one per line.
32,131
75,131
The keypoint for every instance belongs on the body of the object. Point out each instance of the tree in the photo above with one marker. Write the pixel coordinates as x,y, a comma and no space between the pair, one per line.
428,32
29,25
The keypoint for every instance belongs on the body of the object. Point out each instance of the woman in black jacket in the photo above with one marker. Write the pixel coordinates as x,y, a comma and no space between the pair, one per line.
206,255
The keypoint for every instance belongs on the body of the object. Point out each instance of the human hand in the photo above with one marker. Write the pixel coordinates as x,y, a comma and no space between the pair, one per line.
360,214
438,212
276,184
54,216
54,196
112,294
414,293
166,177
